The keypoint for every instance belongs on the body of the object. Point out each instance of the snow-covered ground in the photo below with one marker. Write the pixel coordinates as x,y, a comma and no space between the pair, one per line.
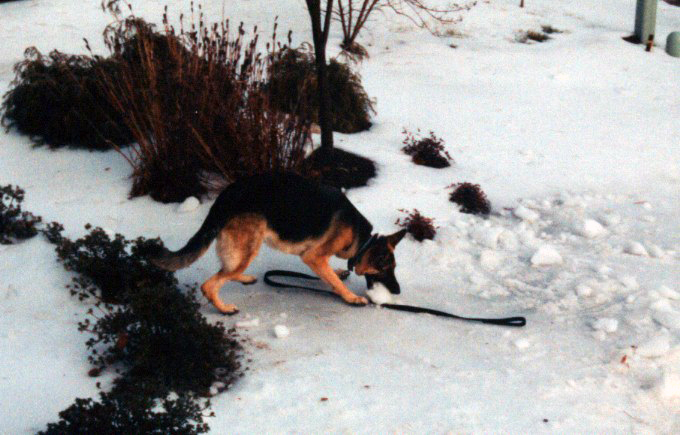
576,141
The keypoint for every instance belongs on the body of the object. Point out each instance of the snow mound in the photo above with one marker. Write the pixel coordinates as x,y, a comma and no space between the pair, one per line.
190,204
546,256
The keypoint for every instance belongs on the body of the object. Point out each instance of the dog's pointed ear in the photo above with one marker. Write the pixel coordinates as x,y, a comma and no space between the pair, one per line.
394,239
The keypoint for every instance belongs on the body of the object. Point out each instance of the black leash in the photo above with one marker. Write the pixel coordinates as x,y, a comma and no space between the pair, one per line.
506,321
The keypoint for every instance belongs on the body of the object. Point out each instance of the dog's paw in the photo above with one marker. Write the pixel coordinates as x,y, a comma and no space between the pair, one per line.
356,300
227,309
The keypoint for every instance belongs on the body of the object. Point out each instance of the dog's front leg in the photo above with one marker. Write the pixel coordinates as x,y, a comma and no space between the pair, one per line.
321,267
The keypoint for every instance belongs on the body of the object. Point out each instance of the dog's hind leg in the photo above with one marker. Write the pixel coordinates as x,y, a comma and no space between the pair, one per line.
237,245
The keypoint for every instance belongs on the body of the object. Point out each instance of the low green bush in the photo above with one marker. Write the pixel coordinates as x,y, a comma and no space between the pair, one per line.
15,224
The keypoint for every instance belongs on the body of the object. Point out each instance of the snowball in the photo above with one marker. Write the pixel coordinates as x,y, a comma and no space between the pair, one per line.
489,259
606,324
380,295
635,248
190,204
281,331
590,229
251,323
583,290
669,293
546,256
522,343
526,214
655,347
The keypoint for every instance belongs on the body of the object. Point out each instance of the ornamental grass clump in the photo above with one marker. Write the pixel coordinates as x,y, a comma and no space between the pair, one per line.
15,224
471,198
427,151
196,104
58,100
419,226
292,86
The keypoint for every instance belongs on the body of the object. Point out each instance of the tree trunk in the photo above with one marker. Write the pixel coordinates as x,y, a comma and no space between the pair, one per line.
320,36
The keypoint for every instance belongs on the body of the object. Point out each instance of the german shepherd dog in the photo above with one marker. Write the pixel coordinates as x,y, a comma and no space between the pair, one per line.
293,215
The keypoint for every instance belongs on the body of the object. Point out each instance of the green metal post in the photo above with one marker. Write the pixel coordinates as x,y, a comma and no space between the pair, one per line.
645,19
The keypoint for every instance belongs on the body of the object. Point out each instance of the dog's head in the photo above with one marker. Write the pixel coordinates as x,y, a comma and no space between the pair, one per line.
377,261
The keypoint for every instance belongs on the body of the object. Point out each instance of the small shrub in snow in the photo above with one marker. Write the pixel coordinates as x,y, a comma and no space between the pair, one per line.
531,35
130,414
293,89
109,269
419,226
550,29
162,342
15,224
155,337
58,99
471,198
339,168
427,151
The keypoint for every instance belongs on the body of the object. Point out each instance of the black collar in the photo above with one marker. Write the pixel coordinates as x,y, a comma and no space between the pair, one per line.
362,250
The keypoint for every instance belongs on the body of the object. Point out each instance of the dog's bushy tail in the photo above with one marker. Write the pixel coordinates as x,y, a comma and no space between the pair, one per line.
200,242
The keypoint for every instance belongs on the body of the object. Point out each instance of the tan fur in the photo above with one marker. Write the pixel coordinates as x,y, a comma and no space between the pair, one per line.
239,243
